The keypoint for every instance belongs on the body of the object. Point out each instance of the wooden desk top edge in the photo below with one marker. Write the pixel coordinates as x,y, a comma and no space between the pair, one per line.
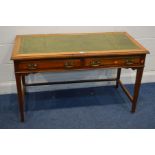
17,56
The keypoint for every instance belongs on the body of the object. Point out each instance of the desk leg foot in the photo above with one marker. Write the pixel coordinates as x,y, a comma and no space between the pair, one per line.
20,92
118,77
133,112
137,88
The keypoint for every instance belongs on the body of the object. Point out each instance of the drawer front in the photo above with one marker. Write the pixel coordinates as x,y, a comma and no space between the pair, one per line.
113,62
48,65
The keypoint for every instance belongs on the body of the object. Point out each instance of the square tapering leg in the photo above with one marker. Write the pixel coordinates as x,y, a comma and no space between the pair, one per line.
20,92
137,88
118,77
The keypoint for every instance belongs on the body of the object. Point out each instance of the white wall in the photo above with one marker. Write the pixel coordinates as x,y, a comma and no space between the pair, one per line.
145,35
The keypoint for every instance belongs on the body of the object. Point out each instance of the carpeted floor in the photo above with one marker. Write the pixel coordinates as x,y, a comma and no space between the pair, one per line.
88,108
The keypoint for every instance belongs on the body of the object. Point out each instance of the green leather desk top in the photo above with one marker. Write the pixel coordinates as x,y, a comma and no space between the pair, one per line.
75,43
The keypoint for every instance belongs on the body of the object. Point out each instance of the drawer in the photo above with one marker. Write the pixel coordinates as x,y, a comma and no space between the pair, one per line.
113,62
40,65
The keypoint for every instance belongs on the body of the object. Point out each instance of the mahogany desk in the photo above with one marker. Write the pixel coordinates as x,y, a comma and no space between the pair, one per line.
67,52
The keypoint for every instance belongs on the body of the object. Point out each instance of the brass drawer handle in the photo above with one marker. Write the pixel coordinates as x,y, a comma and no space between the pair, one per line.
69,64
129,62
32,66
95,63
